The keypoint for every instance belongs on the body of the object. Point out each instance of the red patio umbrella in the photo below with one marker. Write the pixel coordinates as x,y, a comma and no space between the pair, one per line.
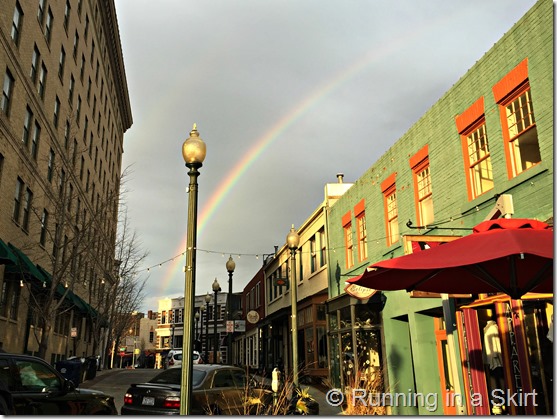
508,255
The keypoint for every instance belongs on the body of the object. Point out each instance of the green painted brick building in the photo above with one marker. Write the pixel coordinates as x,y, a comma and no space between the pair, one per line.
490,135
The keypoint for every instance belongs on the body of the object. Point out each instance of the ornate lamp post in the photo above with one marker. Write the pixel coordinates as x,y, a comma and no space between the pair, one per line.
201,311
230,266
196,329
207,301
193,151
216,289
292,240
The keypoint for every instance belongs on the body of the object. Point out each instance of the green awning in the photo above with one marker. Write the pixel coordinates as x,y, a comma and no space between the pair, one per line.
7,257
24,266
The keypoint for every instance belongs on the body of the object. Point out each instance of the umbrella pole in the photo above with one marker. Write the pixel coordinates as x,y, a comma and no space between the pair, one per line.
449,328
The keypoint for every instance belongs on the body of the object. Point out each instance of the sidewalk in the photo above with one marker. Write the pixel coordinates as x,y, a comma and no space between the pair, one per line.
101,375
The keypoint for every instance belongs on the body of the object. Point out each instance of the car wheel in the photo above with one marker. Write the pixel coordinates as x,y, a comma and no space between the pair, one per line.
4,407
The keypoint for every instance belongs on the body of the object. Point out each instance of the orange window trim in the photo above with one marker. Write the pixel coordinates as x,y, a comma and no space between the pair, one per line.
359,208
346,219
419,157
386,193
387,183
511,81
504,124
418,162
470,116
464,142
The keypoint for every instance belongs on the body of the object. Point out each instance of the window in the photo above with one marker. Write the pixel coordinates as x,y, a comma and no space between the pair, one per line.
35,58
312,255
7,92
56,116
322,244
67,11
477,158
62,181
48,26
76,45
67,134
42,81
422,186
86,30
348,240
514,97
16,23
78,110
50,170
82,69
27,209
40,12
35,140
388,188
71,89
360,214
62,63
44,227
27,126
17,199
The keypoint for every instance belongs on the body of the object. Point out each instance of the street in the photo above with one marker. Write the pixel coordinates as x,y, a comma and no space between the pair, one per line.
116,381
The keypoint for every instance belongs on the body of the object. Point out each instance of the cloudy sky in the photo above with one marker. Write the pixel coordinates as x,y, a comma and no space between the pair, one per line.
286,94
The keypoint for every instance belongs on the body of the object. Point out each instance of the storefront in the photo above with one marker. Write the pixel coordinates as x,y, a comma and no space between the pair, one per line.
508,353
354,341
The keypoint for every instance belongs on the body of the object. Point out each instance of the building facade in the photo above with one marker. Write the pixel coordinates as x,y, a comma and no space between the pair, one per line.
63,114
490,136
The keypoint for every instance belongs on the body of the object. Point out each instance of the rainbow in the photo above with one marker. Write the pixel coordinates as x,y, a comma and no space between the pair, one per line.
267,139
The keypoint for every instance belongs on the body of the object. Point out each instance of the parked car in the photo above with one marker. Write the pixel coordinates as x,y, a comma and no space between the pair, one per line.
174,358
216,389
30,386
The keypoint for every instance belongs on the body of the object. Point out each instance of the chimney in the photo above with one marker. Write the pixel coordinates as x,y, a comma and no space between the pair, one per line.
340,177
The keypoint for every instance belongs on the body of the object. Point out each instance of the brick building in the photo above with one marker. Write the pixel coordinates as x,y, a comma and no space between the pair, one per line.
490,135
63,113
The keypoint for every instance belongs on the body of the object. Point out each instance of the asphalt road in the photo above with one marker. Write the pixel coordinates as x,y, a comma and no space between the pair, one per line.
116,381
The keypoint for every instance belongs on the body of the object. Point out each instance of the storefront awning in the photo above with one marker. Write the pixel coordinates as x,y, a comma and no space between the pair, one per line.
7,257
24,266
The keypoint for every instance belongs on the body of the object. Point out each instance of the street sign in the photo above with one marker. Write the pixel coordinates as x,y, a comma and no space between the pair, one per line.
123,349
73,332
122,353
137,351
230,326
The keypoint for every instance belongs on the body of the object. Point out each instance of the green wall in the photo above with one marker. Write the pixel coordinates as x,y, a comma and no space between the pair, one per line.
532,38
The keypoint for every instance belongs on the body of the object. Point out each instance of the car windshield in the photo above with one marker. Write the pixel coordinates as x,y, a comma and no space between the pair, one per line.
174,376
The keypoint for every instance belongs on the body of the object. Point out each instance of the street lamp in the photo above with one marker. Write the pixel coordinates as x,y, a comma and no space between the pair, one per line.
207,301
193,151
230,266
292,240
196,328
134,314
201,311
216,289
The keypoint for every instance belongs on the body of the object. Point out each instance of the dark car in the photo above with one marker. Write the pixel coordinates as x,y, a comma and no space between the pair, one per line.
30,386
216,389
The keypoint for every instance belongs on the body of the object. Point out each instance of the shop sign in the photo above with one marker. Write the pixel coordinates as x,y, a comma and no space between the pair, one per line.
359,292
252,317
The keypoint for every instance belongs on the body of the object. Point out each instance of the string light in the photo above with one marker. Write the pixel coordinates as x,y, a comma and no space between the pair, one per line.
377,240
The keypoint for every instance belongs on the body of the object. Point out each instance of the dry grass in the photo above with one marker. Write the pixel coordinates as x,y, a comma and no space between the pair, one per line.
362,396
